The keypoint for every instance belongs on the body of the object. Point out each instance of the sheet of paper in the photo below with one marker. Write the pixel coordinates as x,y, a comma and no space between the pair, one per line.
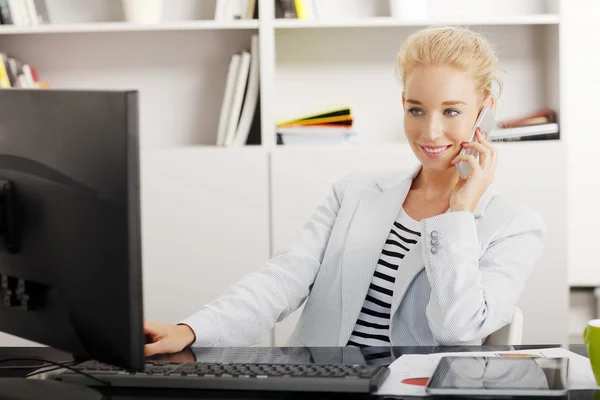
409,373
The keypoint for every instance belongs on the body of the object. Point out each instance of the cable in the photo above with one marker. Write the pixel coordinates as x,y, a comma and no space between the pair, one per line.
48,368
5,368
43,371
62,365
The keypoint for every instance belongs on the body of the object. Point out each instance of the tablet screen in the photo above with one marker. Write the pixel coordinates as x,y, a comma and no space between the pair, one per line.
499,374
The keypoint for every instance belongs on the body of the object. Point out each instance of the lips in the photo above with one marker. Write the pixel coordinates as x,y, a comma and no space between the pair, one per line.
435,151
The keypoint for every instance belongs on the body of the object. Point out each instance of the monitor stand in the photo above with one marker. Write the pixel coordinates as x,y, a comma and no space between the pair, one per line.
30,389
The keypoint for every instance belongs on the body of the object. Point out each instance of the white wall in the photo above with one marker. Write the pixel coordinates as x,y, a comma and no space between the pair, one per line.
581,101
205,224
583,307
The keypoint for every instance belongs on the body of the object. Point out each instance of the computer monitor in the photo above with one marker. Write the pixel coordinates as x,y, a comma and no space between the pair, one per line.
70,240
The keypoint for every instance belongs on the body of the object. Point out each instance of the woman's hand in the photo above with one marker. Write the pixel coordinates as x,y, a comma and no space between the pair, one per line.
467,192
166,339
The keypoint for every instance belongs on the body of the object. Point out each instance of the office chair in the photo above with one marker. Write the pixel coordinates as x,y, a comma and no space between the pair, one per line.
511,334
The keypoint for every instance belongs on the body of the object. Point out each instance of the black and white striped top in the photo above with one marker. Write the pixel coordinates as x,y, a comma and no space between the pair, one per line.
373,325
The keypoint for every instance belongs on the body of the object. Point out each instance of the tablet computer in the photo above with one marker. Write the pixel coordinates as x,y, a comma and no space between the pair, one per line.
504,376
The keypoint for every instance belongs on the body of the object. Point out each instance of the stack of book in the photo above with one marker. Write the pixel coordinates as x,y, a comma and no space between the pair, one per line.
228,10
333,127
23,12
15,74
239,121
540,125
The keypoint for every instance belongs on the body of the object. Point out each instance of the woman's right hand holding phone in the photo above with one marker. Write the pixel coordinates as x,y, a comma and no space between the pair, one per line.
467,192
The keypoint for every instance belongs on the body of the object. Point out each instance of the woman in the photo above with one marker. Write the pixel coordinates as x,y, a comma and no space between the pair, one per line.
418,258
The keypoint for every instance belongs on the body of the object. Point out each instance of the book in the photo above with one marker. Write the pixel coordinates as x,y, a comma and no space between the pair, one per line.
4,79
327,134
252,9
255,136
239,120
31,12
342,116
42,11
305,9
523,133
544,116
285,9
18,12
5,13
250,97
314,139
238,97
301,10
314,130
232,74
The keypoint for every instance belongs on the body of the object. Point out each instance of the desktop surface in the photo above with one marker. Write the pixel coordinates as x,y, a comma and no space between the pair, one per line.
315,355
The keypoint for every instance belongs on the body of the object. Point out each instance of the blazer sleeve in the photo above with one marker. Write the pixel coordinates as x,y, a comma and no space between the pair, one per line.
243,313
472,296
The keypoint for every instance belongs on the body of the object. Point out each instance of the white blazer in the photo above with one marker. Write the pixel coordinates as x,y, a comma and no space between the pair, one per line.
457,285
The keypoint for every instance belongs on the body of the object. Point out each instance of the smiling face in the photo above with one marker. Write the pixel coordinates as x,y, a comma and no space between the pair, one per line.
441,104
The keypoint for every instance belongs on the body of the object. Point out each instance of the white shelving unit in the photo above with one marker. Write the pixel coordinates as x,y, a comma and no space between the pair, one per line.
105,27
345,58
382,22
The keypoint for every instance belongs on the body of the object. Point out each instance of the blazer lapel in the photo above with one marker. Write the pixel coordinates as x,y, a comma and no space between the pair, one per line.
375,214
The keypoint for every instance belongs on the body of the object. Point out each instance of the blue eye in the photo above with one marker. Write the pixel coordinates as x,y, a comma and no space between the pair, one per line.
415,111
451,112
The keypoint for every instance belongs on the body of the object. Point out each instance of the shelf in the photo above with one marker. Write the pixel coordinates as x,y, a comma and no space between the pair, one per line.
541,19
374,147
205,148
101,27
395,146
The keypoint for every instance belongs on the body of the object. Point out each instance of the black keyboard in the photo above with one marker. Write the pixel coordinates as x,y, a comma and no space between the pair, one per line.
234,376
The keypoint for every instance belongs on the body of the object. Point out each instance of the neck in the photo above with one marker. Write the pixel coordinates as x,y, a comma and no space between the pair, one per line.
436,183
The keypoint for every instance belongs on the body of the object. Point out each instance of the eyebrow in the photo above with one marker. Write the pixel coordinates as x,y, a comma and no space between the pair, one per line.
445,103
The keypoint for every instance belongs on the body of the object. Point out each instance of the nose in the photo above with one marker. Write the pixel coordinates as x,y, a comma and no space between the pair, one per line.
433,127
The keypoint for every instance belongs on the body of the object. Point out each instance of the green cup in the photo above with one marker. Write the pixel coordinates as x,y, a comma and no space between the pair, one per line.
591,338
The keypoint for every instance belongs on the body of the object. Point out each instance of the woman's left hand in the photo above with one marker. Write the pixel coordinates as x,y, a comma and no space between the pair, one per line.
467,192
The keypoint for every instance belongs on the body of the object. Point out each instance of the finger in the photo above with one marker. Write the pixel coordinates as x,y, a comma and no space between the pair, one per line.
155,348
468,158
485,153
149,326
481,135
483,139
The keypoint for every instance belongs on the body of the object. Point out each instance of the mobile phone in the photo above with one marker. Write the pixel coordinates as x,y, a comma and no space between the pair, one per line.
486,122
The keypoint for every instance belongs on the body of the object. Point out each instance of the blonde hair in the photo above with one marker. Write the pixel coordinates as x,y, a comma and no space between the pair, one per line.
458,47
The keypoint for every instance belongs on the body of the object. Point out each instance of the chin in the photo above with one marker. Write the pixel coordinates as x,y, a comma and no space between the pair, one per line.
439,166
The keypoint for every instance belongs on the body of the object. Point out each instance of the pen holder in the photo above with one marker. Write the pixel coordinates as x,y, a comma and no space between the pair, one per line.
591,338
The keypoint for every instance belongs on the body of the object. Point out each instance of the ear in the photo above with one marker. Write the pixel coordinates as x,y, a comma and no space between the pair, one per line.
490,101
